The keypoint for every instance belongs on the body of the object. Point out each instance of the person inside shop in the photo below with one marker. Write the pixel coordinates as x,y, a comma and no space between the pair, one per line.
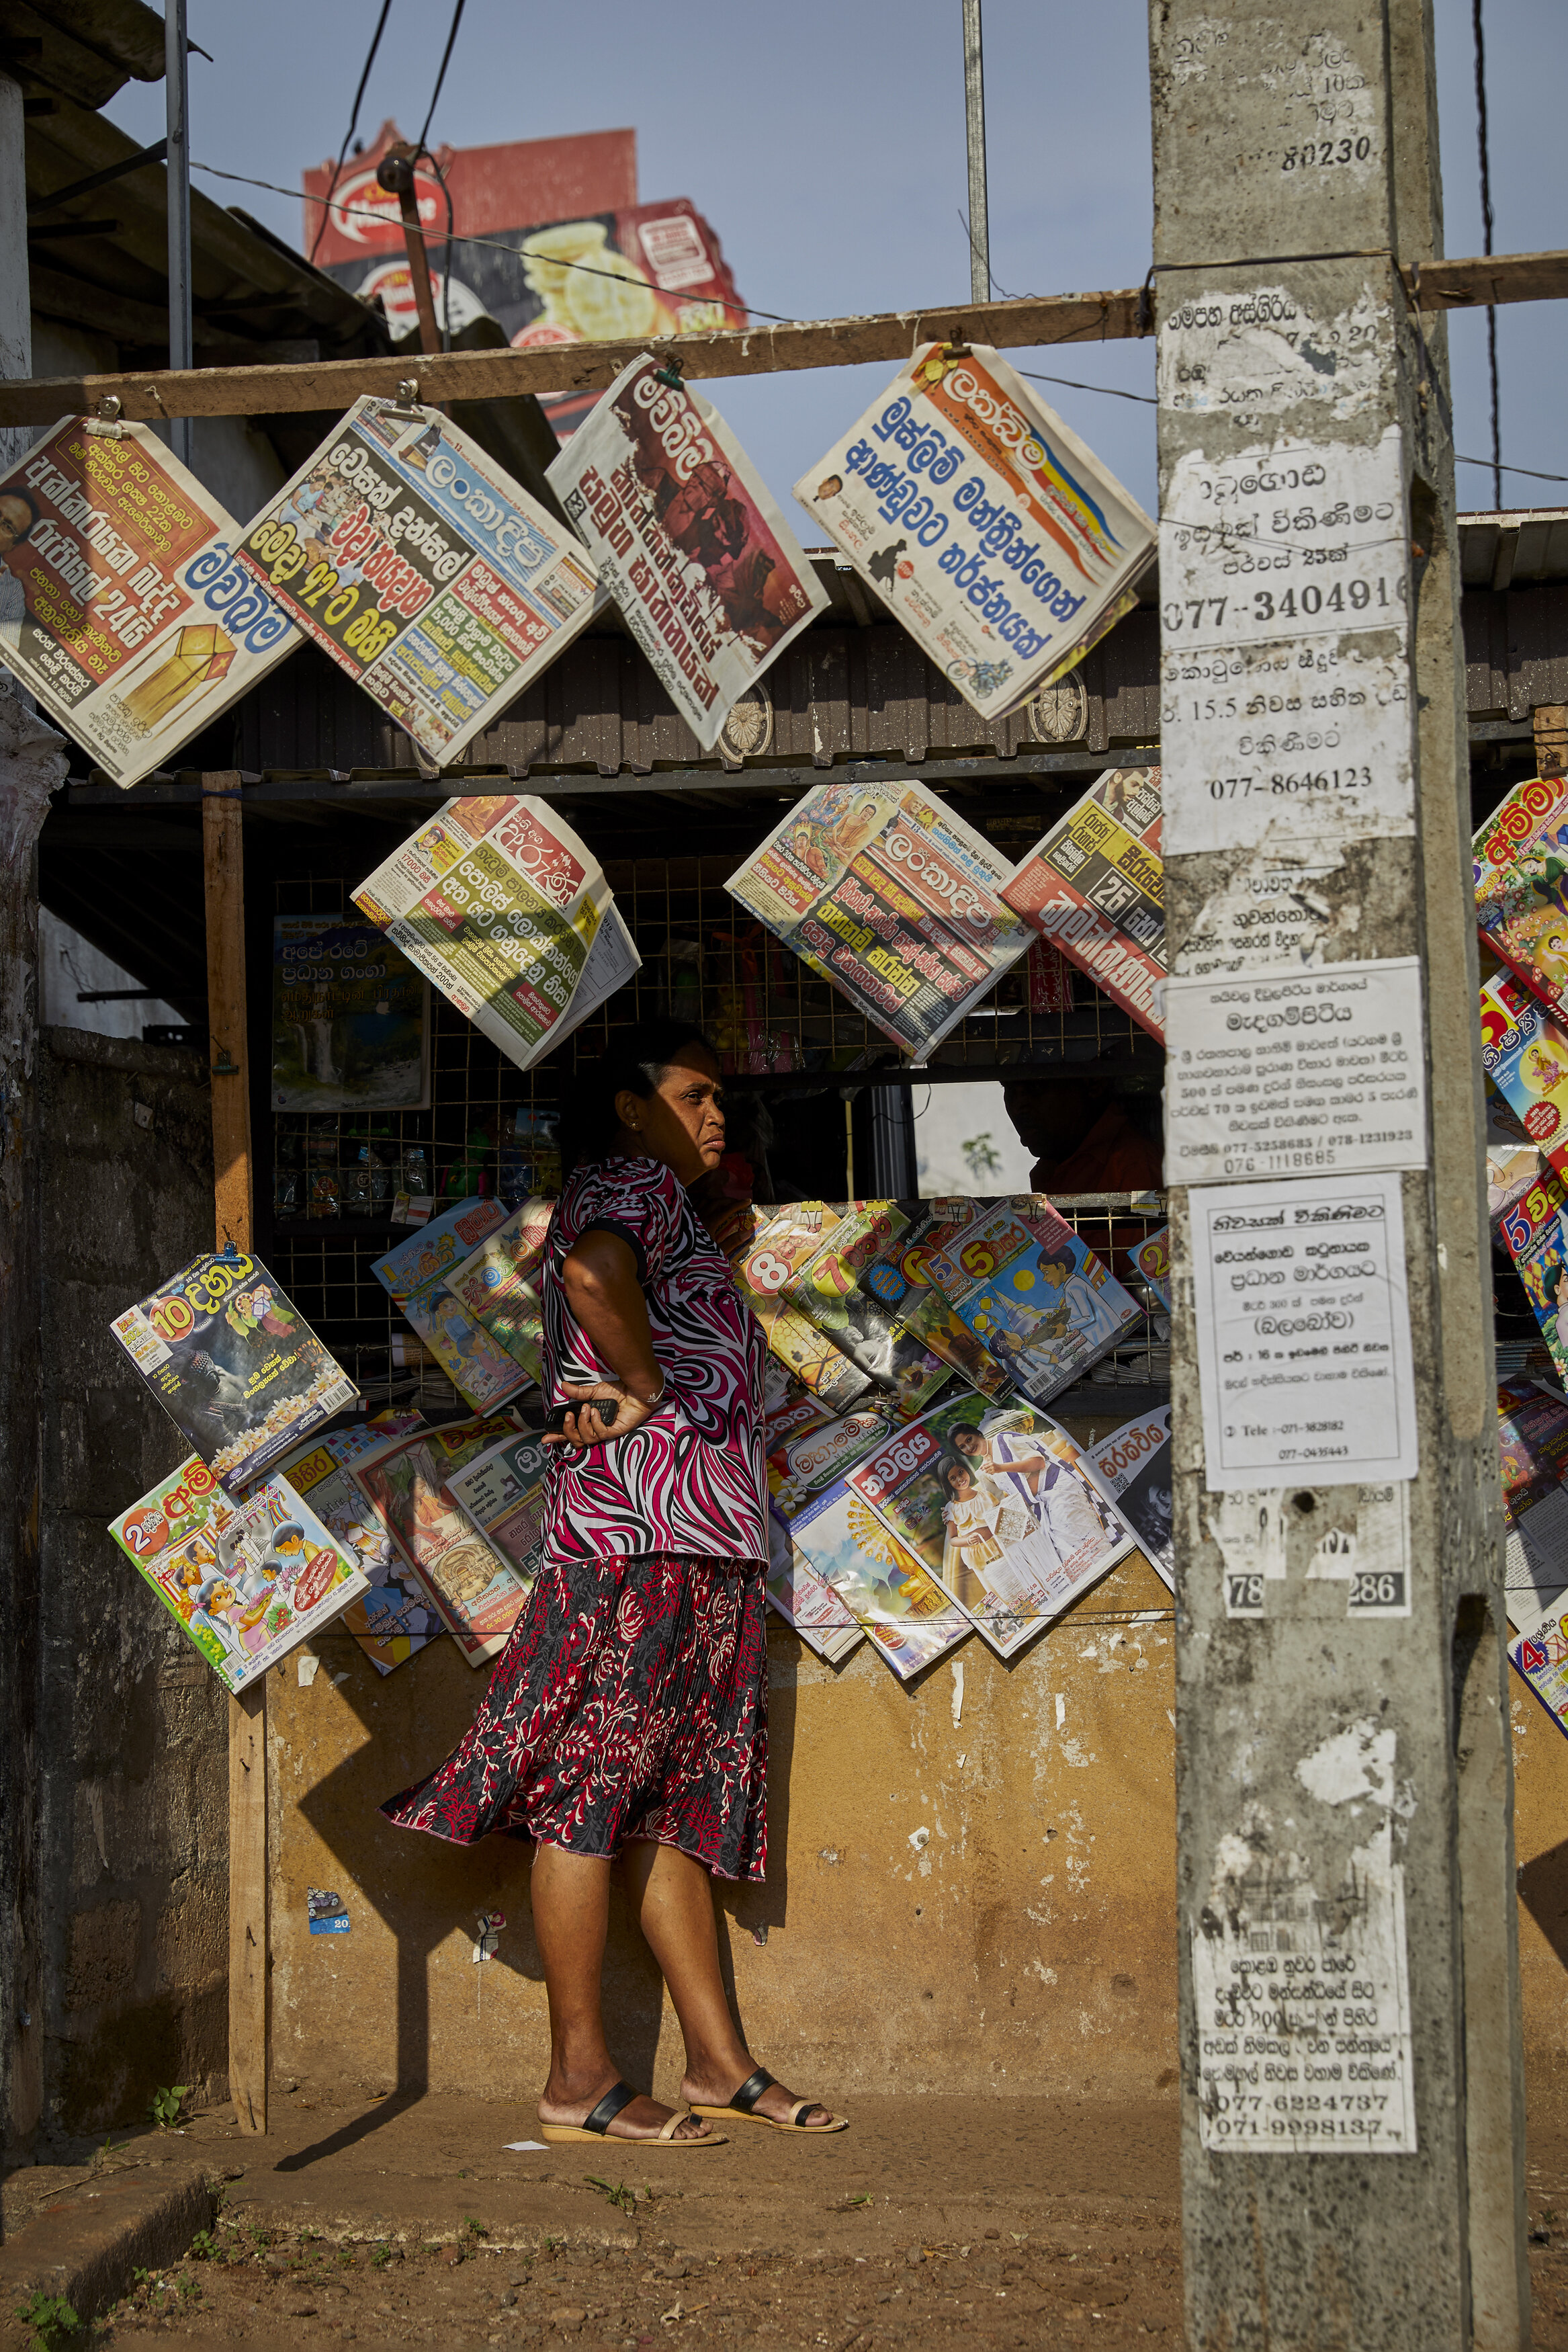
627,1716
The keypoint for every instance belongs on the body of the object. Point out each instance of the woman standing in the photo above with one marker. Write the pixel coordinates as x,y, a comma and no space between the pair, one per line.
629,1711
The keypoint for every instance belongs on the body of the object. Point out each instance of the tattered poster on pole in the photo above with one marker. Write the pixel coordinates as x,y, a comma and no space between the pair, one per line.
987,527
422,569
124,610
710,579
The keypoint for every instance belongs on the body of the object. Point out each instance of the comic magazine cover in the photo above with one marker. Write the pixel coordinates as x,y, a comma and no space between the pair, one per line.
1152,1258
414,1274
1513,1163
799,1465
780,1247
351,1018
813,1608
1532,1440
1522,886
827,1292
234,1363
246,1581
899,1281
877,1578
1525,1055
1132,1469
504,1494
996,1504
495,1288
1535,1229
437,1247
1095,887
392,1618
477,1592
1044,1308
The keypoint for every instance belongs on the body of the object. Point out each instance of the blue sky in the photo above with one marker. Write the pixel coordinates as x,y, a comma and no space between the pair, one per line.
825,143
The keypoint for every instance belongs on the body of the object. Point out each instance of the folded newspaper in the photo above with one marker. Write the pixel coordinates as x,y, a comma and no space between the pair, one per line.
709,577
423,569
1095,887
986,526
880,889
499,903
125,612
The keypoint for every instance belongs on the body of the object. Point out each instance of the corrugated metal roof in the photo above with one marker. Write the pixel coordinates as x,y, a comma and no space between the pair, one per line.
1514,547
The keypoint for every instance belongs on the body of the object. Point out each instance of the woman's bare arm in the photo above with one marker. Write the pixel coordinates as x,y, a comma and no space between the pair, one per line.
606,1298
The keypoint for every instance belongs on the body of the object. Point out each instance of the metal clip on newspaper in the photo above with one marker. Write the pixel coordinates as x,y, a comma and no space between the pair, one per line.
669,373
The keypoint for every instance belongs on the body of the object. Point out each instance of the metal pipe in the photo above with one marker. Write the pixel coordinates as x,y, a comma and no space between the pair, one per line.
177,87
975,129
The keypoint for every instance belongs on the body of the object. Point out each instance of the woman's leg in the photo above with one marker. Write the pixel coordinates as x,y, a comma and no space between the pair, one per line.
571,1915
673,1895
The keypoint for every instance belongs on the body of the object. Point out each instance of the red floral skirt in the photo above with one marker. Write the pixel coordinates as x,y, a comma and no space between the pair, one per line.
631,1702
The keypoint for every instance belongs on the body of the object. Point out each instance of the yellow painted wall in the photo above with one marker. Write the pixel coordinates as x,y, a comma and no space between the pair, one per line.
1540,1846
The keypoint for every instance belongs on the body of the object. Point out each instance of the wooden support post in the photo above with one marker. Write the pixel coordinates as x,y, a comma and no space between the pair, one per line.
1550,720
222,858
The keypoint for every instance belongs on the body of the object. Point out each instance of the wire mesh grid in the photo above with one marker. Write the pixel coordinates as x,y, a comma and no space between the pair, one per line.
489,1128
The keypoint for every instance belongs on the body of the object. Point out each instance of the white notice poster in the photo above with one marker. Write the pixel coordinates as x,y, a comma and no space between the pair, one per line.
1304,1332
1312,1071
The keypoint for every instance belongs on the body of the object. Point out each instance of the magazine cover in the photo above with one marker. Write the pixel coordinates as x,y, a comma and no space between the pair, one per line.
1152,1259
1532,1443
246,1581
234,1363
899,1280
414,1274
877,1578
392,1618
800,1464
477,1592
504,1495
991,532
995,1503
1513,1163
826,1290
880,889
494,1287
1045,1308
810,1607
781,1245
1540,1658
710,579
423,569
498,901
437,1248
124,610
1521,903
350,1019
1534,1228
1525,1055
1132,1469
1095,887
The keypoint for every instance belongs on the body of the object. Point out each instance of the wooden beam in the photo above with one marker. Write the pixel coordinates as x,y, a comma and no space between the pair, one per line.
1031,320
223,861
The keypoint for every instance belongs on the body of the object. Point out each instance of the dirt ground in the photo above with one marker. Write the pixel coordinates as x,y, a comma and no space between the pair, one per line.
1008,2222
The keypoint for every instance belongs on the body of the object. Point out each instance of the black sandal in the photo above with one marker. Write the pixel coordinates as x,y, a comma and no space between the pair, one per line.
744,2103
596,2126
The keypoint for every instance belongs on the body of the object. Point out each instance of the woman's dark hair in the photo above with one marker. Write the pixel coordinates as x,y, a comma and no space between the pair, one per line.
633,1063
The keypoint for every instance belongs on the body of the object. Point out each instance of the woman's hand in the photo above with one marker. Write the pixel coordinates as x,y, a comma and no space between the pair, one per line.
585,1425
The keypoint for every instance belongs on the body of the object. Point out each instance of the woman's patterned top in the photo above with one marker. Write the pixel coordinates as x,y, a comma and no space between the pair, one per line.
691,1479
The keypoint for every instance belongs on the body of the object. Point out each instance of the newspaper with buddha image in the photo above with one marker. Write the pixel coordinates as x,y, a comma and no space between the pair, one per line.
882,889
392,1618
827,1292
496,1286
245,1580
499,902
1034,1295
421,569
414,1274
876,1578
504,1495
121,606
476,1591
995,1501
1132,1469
1534,1229
234,1363
780,1246
802,1599
991,532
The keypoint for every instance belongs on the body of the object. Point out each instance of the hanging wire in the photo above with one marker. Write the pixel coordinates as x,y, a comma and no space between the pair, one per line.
1485,146
353,125
420,147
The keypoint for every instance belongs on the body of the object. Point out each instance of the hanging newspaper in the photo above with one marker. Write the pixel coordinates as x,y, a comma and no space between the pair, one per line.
983,522
711,580
425,572
125,612
879,889
499,903
997,1506
1132,1469
1095,887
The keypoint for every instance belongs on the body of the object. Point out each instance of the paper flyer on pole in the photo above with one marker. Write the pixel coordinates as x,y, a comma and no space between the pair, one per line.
499,902
709,577
422,569
879,889
986,526
1095,887
125,612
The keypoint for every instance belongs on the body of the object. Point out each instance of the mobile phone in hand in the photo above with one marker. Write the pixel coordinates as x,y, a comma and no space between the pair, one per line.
609,1409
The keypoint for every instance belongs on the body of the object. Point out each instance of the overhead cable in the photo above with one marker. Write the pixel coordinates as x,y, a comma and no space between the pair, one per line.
353,124
1484,145
441,77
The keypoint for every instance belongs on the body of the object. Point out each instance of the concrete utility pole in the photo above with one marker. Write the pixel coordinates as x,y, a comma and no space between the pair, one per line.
1354,2110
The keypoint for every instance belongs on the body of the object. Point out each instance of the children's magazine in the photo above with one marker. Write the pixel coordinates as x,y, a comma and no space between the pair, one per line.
234,1363
1525,1055
1535,1229
825,1290
497,1287
1038,1299
763,1273
246,1581
476,1591
415,1276
393,1617
877,1578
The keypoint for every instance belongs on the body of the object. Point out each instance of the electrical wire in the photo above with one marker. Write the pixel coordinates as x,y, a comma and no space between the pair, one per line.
420,147
354,123
1484,145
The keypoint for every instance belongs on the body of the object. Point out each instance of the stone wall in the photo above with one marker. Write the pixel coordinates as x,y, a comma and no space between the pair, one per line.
132,1746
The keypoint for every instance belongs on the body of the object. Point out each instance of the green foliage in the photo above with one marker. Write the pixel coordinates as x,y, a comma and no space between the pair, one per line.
345,2261
190,2289
613,2192
165,2105
203,2247
380,2257
49,2317
475,2229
